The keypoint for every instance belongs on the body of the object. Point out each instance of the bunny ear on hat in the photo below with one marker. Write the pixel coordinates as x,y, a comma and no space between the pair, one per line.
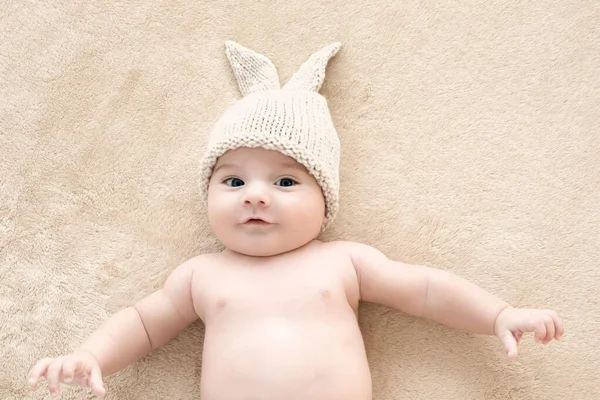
256,73
253,72
311,74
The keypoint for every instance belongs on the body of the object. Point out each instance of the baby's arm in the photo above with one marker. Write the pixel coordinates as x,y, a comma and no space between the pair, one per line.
425,292
448,299
147,325
128,335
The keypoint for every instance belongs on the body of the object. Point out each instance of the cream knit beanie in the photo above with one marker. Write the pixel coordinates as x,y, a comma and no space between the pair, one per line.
293,119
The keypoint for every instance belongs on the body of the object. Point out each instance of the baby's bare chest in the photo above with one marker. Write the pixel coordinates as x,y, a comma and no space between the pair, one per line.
292,287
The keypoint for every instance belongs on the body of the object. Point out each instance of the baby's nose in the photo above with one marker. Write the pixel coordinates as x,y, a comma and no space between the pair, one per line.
257,194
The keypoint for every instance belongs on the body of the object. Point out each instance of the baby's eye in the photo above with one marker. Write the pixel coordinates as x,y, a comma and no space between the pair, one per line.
233,182
286,182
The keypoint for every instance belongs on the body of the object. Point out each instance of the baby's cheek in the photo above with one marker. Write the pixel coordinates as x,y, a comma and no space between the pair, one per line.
308,209
224,211
219,210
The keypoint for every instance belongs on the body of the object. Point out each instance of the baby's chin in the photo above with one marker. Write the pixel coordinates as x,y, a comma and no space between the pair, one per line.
261,251
254,248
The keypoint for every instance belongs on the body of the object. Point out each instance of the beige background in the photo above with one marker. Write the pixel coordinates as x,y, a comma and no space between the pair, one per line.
470,134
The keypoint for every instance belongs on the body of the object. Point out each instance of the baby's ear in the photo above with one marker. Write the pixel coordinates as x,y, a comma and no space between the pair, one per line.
254,72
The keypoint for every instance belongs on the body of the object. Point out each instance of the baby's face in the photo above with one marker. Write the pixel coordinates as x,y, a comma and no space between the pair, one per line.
261,202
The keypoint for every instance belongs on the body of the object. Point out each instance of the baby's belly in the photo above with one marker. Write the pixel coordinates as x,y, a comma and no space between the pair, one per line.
284,359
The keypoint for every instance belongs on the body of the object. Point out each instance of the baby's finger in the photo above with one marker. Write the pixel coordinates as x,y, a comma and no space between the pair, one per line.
550,330
69,367
510,344
558,324
38,370
539,328
96,382
53,376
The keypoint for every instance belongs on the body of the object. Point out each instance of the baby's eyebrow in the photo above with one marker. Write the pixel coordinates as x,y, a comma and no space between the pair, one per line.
224,165
292,166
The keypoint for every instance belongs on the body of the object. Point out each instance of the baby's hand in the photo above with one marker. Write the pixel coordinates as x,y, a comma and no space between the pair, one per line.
78,369
512,323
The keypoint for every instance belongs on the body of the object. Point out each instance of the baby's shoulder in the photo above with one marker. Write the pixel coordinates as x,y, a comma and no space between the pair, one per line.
349,249
203,264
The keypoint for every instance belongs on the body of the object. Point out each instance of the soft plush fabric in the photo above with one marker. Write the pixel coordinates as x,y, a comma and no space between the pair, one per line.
470,137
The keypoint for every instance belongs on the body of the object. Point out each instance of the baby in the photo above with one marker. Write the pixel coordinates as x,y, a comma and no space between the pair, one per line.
280,306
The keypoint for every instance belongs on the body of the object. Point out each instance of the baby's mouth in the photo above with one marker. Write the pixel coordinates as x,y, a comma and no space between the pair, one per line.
256,221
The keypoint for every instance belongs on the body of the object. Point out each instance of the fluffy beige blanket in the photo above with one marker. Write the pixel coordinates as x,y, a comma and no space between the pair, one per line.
470,134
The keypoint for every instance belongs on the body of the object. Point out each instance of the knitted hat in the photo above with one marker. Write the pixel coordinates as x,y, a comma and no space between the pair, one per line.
293,119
